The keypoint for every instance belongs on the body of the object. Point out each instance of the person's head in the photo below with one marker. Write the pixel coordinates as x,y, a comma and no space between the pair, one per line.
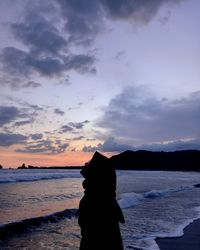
99,174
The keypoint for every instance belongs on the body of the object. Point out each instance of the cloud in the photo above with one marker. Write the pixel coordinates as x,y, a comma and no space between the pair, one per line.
81,63
39,34
23,63
72,126
133,115
33,106
173,146
8,114
140,11
91,148
78,125
50,32
66,128
110,145
22,123
8,139
22,115
15,61
13,81
36,136
46,50
119,55
83,20
47,146
59,112
77,138
31,84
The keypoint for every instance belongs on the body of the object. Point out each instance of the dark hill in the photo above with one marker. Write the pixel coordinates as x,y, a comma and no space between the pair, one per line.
187,160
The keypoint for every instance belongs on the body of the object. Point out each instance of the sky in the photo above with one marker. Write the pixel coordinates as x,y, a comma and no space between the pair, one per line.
78,76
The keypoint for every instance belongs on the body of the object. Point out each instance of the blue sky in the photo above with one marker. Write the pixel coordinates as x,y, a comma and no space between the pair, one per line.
78,76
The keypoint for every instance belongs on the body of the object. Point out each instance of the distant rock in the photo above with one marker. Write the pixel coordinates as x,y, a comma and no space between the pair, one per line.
23,166
31,167
1,167
197,185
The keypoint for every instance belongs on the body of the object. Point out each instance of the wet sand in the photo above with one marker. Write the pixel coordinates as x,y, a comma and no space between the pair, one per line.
189,241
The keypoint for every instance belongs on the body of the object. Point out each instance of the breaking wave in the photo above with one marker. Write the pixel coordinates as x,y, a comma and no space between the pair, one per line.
27,175
133,199
22,226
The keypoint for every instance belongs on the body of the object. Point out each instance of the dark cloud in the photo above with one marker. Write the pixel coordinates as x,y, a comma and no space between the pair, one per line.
65,81
78,125
132,115
22,123
91,148
110,145
36,136
47,66
91,139
39,34
23,114
31,84
15,61
141,11
33,106
46,51
71,126
8,114
81,63
51,30
66,128
22,63
83,19
13,81
180,145
44,147
78,138
172,146
59,112
8,139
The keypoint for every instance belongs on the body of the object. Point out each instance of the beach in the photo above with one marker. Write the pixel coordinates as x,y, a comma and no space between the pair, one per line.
39,209
189,241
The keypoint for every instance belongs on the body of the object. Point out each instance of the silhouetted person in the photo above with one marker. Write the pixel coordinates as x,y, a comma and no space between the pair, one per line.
99,212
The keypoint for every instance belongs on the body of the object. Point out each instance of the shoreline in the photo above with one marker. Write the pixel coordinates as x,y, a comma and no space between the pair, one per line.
189,241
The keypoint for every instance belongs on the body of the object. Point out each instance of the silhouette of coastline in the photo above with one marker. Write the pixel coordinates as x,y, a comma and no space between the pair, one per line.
184,160
53,167
99,212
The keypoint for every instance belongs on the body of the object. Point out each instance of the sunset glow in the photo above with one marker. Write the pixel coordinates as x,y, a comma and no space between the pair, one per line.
80,76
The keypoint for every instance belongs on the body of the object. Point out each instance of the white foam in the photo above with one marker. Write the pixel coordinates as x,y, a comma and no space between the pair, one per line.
149,243
132,199
7,176
178,230
164,192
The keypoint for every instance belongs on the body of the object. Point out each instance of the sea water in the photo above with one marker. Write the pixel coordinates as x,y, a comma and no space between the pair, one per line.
39,208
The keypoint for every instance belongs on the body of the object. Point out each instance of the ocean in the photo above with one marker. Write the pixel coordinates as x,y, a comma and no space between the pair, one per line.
39,207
